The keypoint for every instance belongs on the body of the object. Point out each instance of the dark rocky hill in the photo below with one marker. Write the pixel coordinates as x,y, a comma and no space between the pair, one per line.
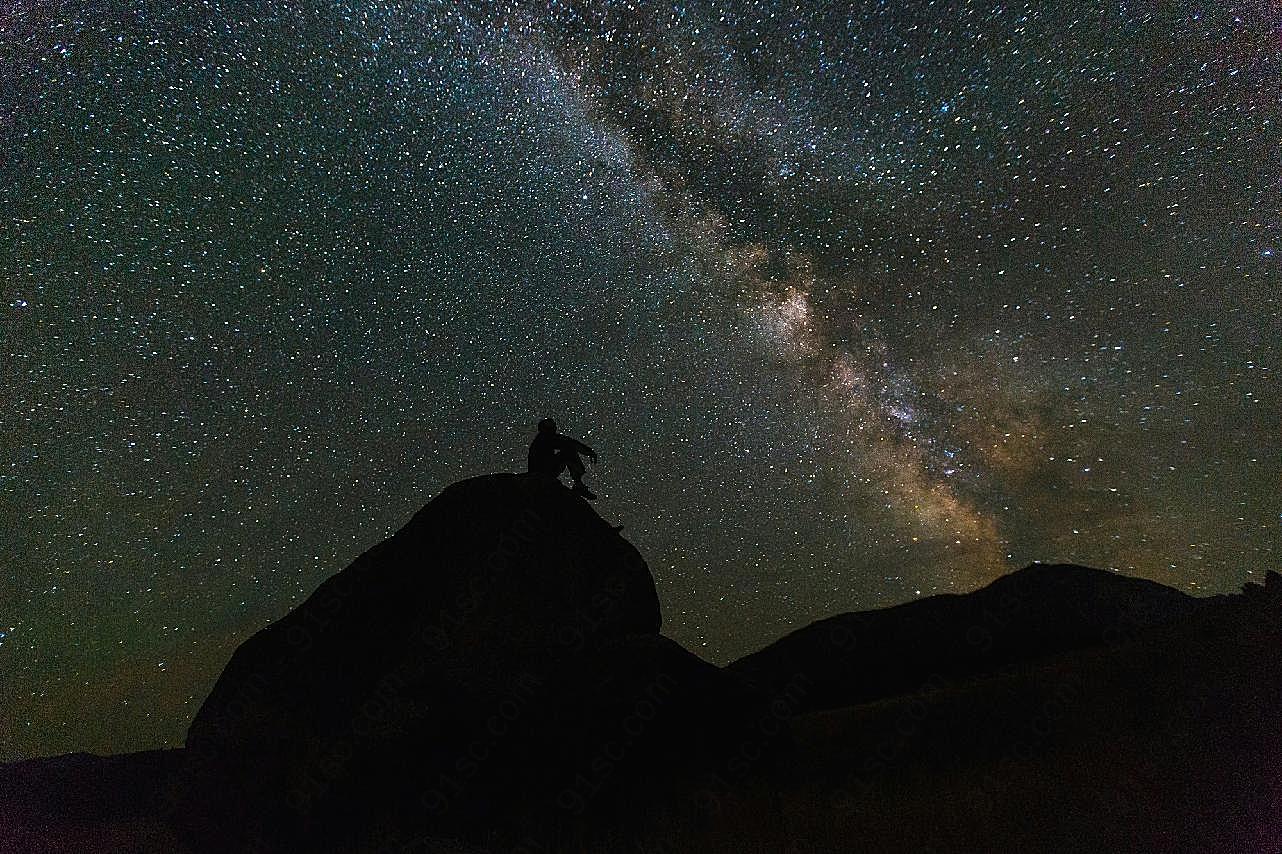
492,678
476,666
1027,616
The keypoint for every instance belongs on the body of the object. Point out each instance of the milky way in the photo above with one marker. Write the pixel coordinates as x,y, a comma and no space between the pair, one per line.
859,302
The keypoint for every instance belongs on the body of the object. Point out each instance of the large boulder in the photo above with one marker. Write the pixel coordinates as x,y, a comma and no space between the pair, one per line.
474,664
492,581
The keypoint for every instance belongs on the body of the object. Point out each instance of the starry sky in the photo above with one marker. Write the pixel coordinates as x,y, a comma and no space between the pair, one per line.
859,302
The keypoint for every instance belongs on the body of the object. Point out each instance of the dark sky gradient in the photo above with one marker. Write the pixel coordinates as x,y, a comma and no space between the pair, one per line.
859,302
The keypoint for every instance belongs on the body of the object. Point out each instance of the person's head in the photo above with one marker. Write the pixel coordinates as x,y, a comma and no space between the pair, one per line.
547,425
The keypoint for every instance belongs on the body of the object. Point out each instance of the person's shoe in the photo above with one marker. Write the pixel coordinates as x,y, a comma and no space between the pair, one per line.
580,489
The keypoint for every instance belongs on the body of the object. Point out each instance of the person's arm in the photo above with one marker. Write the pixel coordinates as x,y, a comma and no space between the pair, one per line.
581,448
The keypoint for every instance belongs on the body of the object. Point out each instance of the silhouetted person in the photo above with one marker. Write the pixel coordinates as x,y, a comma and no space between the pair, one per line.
552,453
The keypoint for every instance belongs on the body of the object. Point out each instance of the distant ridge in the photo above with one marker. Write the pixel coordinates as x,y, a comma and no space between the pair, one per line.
1031,614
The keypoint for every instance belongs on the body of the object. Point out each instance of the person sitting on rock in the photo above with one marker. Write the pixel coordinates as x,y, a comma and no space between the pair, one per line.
552,453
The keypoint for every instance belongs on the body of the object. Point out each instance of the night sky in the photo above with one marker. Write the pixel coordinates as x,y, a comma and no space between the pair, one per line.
859,302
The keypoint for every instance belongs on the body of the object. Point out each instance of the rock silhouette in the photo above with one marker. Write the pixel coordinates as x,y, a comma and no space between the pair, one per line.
469,666
492,678
1037,612
489,584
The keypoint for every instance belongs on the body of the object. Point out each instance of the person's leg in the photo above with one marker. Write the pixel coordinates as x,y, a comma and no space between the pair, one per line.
575,465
